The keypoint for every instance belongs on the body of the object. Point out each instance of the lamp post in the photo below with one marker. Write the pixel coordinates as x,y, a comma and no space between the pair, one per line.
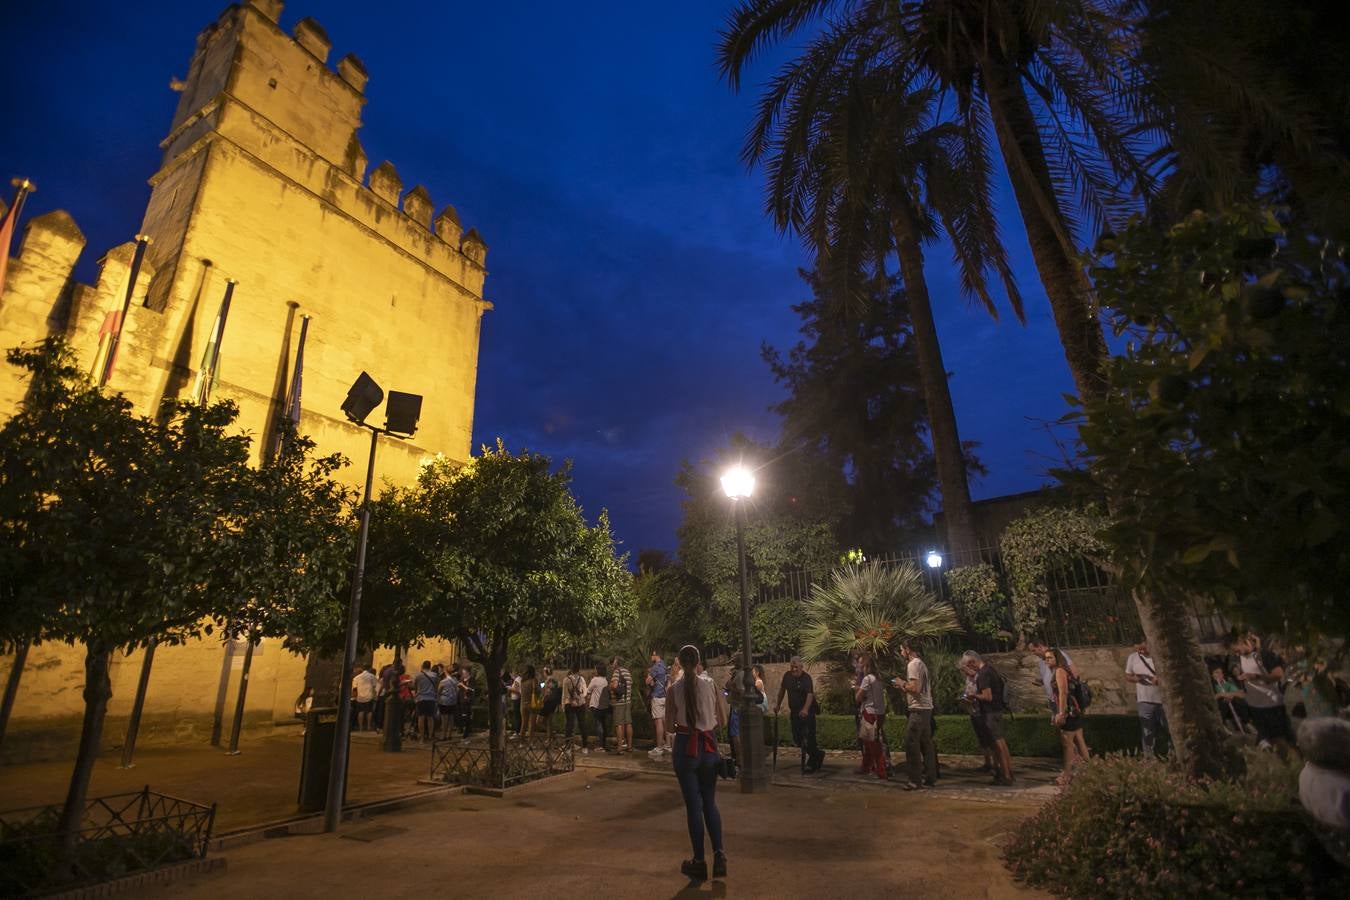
739,483
401,415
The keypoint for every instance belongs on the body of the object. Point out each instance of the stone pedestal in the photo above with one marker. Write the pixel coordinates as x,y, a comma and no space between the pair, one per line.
754,775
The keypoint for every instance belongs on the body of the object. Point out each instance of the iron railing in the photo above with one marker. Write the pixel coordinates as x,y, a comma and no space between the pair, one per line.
119,834
476,762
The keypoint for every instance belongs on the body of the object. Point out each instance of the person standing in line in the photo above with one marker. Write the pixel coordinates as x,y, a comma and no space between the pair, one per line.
551,700
424,689
364,686
1141,672
464,708
512,683
988,710
870,695
382,694
972,706
656,685
574,705
1261,673
693,715
1038,646
447,699
920,754
597,696
802,710
1068,714
529,700
621,704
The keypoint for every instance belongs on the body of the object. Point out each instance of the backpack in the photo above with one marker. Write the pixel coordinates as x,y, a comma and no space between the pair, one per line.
618,691
576,690
1003,692
1080,693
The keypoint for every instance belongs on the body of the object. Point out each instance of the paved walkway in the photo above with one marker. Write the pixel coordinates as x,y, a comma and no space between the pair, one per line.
621,834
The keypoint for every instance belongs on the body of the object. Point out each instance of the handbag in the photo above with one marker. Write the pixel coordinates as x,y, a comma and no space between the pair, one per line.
867,731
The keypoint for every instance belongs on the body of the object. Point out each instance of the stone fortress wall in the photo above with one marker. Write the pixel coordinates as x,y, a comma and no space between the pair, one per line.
263,182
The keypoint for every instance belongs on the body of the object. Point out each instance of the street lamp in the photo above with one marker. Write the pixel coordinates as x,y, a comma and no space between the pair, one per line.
738,483
934,559
401,415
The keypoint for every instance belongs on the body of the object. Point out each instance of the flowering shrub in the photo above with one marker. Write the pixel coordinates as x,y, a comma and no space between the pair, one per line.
1130,828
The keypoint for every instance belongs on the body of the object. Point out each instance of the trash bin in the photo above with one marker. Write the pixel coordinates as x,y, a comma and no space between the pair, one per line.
316,758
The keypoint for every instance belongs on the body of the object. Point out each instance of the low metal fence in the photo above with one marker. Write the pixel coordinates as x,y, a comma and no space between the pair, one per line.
119,835
475,762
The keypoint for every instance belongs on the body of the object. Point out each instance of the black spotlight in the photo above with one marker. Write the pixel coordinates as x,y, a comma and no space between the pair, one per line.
402,413
364,396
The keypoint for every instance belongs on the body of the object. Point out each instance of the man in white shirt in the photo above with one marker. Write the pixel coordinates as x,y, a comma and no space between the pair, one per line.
1038,646
920,753
1141,671
1262,671
364,686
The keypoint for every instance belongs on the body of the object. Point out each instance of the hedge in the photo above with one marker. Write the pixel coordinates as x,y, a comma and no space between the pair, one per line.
1027,735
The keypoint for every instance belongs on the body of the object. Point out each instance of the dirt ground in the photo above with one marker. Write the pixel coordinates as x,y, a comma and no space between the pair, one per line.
618,833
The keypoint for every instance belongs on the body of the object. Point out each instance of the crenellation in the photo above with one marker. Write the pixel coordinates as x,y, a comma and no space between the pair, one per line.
474,247
356,160
447,225
312,37
417,206
353,71
385,183
269,8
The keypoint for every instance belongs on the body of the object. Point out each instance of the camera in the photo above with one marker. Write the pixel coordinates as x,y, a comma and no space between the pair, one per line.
726,767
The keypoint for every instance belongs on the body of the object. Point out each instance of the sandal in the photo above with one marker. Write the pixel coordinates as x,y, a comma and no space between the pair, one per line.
912,786
695,869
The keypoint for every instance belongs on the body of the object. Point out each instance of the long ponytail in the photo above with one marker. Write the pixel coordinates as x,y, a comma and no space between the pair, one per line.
689,658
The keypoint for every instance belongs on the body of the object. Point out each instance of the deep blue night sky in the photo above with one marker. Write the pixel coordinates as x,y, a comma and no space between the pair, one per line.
633,272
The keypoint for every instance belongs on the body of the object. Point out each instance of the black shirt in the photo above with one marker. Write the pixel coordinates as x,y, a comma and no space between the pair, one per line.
987,678
798,686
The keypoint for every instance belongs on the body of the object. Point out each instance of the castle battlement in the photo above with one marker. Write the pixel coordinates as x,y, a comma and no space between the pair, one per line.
274,97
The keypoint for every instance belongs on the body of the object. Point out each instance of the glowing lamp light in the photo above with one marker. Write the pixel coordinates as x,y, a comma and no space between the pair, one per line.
738,483
933,559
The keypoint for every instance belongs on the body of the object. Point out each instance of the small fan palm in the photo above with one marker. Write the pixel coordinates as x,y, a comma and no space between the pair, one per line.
871,608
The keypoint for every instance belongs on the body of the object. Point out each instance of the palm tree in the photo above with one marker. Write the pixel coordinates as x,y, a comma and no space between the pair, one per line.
870,608
861,165
1044,77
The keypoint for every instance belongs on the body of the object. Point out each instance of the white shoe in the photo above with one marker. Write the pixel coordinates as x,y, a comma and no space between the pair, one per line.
1265,745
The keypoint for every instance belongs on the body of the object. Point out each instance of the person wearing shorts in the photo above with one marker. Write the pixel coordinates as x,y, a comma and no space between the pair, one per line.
424,686
621,694
1261,672
364,688
447,698
657,676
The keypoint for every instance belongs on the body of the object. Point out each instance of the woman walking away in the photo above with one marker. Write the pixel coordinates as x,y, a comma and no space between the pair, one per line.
692,715
552,699
597,694
871,698
1068,714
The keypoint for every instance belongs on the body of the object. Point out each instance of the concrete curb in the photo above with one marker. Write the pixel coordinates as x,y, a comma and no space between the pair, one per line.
164,875
312,823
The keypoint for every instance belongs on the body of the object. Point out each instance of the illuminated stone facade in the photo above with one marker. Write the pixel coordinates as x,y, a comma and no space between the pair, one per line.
264,182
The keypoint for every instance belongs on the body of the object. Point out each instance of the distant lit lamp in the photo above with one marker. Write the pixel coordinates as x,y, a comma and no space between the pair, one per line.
933,559
738,483
401,415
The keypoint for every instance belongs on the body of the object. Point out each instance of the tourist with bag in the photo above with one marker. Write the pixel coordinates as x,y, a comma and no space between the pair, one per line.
597,695
1068,712
693,715
870,695
574,704
920,752
1141,672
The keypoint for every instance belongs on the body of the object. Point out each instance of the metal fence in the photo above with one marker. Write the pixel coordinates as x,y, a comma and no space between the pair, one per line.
119,834
476,762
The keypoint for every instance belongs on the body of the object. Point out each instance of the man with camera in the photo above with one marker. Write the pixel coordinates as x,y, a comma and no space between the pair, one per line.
920,753
1141,672
802,709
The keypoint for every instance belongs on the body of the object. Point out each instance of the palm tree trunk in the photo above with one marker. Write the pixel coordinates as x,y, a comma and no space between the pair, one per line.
1199,741
97,692
1080,331
957,511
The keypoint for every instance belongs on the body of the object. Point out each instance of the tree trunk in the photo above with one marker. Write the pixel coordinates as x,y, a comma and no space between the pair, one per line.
492,669
1200,743
97,692
12,688
1080,331
957,511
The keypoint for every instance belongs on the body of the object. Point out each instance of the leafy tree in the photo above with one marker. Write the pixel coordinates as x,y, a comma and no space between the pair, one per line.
508,556
854,395
1224,438
790,525
114,527
871,608
776,625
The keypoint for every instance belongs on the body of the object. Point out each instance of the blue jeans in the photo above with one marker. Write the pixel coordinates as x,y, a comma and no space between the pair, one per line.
1151,716
698,785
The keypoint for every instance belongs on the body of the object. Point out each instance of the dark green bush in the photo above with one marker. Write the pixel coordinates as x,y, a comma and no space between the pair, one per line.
1129,827
1026,735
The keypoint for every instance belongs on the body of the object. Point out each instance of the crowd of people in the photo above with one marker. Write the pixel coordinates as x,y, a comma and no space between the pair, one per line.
434,704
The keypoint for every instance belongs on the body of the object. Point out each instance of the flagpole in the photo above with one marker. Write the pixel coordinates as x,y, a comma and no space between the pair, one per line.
136,259
292,411
208,373
23,187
